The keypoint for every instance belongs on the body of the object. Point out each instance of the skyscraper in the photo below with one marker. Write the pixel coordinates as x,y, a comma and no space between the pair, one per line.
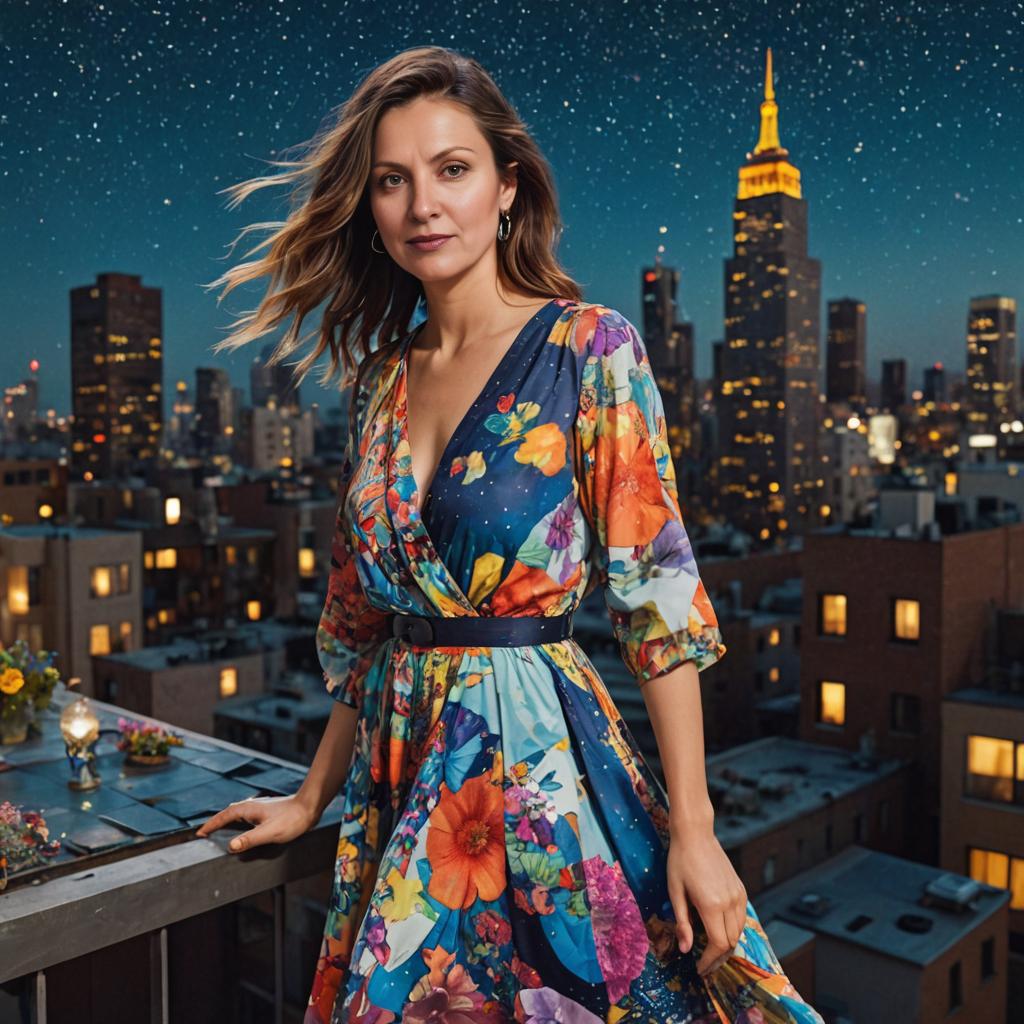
894,384
669,344
214,420
845,352
991,363
935,389
275,382
116,376
769,479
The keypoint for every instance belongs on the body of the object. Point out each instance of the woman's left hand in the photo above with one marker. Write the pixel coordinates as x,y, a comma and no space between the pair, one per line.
699,871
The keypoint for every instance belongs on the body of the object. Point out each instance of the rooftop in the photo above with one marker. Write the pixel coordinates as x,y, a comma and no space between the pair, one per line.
892,906
981,695
760,786
57,530
213,645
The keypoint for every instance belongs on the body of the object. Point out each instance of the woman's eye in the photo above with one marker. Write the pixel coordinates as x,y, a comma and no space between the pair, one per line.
384,178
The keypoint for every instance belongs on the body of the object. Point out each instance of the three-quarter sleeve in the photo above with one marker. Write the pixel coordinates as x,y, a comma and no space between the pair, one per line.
350,630
659,610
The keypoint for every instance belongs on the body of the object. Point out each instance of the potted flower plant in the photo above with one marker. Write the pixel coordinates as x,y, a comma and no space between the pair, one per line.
24,840
26,686
146,743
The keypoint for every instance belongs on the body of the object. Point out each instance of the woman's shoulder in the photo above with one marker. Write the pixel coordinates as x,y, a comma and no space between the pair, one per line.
595,328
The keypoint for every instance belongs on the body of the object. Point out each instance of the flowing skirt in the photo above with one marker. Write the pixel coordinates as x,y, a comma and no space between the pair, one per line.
502,857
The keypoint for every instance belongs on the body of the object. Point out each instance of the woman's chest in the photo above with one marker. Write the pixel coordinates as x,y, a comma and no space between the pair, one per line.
503,498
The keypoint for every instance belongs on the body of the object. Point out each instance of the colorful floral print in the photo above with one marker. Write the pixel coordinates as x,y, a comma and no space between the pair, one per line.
503,845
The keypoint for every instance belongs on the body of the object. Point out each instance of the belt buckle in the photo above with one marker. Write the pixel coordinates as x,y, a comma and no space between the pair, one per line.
416,629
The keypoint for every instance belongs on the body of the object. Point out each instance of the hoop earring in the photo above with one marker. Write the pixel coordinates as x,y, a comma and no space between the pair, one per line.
504,227
372,246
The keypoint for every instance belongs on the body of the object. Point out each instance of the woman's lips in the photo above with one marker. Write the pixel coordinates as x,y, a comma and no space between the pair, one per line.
434,243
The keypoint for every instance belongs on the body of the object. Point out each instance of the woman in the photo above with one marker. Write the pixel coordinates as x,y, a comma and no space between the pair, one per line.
505,853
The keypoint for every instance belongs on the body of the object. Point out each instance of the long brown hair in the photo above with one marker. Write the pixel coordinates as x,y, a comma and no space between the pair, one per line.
323,252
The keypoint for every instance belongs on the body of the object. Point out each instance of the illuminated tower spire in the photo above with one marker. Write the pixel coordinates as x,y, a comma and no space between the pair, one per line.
768,170
769,112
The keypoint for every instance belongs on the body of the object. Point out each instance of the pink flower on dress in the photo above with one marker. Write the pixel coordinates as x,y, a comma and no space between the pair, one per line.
619,932
455,1000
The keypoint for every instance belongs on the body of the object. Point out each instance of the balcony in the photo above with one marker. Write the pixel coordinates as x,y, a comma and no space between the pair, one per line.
136,919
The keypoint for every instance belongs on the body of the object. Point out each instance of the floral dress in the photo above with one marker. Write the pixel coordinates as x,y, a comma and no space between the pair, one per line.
502,853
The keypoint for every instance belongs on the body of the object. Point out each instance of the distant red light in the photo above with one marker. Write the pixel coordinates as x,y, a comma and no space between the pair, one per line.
33,365
99,438
650,276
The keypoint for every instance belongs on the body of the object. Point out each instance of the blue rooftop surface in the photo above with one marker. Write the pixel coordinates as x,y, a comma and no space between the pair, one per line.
860,896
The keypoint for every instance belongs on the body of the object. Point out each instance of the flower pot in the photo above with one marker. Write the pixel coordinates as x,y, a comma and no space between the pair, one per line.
147,759
14,724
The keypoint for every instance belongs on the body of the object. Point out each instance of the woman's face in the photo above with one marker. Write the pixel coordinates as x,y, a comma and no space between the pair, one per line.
433,173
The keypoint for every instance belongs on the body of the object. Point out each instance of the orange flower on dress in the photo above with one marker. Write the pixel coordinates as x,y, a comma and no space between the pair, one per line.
466,844
543,447
625,469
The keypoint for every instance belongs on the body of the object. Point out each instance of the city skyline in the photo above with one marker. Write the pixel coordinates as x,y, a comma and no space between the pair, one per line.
897,130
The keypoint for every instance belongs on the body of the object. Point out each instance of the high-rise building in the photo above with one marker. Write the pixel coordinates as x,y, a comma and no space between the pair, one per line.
273,383
670,345
20,408
116,376
894,384
935,389
845,359
769,481
991,363
214,420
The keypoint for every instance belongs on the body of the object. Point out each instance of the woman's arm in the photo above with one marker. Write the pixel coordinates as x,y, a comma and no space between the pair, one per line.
280,819
698,870
329,769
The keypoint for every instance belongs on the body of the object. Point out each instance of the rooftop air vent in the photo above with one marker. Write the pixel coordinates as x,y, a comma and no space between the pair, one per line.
812,904
917,924
954,892
771,785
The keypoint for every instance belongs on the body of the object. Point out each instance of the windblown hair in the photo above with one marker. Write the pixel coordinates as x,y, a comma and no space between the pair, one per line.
323,252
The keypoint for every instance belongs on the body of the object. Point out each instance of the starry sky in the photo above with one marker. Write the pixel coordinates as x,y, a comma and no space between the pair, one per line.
121,121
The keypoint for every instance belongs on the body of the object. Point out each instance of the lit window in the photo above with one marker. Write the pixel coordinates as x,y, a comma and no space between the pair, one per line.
228,681
832,703
230,554
906,619
773,674
124,578
833,614
147,560
1000,870
172,510
167,558
252,609
773,637
253,554
307,562
990,768
17,589
99,639
100,582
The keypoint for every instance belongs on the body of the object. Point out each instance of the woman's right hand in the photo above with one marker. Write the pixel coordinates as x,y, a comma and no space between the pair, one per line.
278,819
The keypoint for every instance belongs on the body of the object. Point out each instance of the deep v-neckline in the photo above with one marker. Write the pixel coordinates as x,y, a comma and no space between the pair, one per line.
422,498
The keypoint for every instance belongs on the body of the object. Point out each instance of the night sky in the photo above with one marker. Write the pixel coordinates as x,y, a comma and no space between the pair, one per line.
120,122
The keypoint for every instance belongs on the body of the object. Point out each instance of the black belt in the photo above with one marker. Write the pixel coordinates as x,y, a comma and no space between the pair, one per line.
481,630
